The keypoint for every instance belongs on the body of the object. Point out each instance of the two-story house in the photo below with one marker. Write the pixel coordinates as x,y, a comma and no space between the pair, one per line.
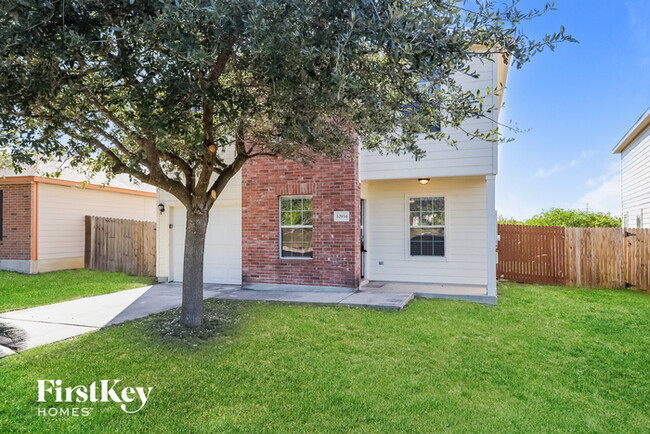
634,148
385,221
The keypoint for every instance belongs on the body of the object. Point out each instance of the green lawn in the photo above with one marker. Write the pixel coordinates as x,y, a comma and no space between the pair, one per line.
18,291
545,359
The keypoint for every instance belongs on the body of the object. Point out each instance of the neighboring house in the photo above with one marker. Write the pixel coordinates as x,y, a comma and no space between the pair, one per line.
634,148
42,219
343,223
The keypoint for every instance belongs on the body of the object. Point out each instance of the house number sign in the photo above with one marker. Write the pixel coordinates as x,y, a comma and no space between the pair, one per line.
341,216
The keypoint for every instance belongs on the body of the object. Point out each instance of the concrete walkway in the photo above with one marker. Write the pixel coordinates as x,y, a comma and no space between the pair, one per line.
55,322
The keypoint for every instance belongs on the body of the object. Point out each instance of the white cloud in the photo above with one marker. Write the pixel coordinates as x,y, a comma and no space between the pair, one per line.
586,154
546,172
605,196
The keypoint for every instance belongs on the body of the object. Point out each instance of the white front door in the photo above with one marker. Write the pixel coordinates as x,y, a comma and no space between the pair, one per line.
222,263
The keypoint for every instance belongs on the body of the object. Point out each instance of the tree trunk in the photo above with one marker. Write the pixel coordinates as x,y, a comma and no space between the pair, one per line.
192,307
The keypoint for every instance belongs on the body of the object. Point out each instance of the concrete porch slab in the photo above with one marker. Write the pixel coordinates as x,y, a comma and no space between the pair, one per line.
286,296
423,288
473,293
379,299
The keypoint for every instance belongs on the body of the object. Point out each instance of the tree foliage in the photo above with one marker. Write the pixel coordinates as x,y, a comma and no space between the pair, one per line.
503,220
5,159
156,85
569,218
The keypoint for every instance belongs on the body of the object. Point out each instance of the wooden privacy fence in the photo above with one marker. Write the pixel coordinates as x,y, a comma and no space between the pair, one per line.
128,246
596,257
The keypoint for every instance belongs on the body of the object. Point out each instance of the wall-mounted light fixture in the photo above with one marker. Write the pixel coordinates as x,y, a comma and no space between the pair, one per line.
423,181
161,207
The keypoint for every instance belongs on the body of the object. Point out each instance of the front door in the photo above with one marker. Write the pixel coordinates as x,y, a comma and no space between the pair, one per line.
363,239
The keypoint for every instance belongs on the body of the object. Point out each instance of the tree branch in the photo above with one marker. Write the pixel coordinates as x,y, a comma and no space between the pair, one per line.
221,62
113,119
182,165
114,140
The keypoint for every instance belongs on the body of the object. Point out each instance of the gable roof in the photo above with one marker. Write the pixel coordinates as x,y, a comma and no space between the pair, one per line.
642,124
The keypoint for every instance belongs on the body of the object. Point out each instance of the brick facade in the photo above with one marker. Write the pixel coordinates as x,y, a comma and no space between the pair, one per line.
334,186
16,242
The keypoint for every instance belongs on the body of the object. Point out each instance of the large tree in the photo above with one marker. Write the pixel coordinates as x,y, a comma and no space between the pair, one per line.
180,94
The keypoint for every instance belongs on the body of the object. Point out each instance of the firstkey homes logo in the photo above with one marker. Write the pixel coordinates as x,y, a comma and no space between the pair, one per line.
130,399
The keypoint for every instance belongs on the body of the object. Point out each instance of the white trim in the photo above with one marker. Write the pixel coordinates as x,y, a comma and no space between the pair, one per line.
491,235
280,227
407,233
637,129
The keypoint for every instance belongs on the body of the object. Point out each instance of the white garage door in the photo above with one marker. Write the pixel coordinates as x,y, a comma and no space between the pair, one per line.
222,262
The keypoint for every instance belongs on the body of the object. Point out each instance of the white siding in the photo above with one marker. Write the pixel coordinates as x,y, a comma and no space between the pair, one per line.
223,241
635,180
61,213
470,157
465,262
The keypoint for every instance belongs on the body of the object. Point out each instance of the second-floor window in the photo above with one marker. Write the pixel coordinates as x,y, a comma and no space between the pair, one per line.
412,108
296,227
427,226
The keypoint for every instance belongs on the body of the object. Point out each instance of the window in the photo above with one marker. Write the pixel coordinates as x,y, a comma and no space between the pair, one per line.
411,108
1,213
296,227
626,220
427,226
639,220
428,87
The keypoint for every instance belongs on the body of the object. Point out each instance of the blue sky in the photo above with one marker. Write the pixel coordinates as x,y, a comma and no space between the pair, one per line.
577,102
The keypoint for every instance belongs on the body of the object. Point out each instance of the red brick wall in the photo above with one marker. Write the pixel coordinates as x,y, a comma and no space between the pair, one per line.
335,187
16,221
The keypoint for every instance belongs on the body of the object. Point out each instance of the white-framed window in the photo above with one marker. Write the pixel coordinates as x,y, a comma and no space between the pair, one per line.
626,220
296,227
639,220
411,108
426,216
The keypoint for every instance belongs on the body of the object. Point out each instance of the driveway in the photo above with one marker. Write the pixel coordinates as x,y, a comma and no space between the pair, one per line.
28,328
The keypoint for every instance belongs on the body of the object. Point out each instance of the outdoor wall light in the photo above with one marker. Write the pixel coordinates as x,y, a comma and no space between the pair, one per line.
423,181
161,207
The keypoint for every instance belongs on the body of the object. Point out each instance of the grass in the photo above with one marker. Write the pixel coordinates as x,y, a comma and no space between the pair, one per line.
545,359
19,291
